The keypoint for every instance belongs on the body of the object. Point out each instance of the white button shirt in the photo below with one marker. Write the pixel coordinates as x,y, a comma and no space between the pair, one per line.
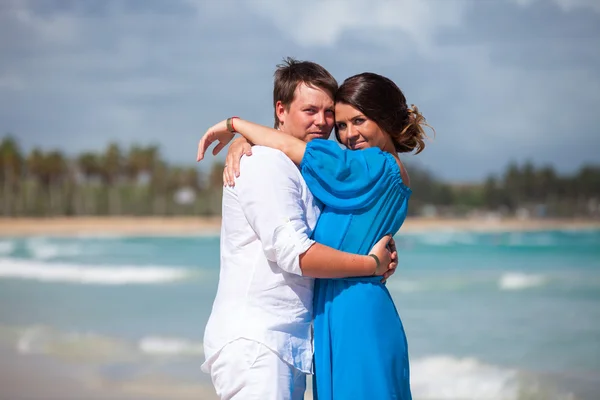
267,221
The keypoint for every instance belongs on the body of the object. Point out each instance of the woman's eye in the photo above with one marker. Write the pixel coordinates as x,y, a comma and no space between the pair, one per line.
358,121
341,126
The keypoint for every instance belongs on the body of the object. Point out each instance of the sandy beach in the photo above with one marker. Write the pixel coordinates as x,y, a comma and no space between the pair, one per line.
37,377
63,226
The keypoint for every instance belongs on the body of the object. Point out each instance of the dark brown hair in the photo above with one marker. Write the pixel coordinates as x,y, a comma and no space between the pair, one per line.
382,101
291,73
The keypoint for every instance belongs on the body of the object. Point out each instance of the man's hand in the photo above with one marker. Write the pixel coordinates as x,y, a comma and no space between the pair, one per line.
218,132
237,149
388,257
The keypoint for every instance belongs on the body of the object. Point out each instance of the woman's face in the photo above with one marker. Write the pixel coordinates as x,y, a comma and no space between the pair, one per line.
356,131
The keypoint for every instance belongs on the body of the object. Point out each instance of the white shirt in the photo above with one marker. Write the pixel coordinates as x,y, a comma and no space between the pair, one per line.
267,221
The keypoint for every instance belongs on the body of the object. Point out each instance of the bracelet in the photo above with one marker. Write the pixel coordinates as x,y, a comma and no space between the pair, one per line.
378,263
230,126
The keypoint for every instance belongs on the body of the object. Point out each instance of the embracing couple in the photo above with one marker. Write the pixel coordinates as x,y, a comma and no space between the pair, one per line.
306,242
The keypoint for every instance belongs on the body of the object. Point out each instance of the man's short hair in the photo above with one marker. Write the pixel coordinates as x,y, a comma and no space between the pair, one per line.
291,73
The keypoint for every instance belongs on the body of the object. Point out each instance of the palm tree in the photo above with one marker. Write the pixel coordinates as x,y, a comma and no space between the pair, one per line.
545,183
513,185
588,181
89,165
150,158
11,163
34,167
55,173
191,178
111,168
215,180
159,188
134,163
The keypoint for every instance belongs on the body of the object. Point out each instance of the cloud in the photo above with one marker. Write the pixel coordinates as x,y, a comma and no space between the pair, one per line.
324,22
566,5
498,80
116,72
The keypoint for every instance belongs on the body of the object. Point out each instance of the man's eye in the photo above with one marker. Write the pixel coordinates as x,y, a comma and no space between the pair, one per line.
310,110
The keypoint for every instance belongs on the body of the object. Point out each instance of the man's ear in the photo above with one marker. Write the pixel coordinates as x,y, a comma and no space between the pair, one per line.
280,110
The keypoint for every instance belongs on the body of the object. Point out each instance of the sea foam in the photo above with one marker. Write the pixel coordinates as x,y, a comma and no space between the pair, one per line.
41,339
519,281
89,274
446,377
6,247
158,345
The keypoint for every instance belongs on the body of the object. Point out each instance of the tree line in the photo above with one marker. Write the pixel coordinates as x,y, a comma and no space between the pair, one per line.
137,181
521,189
112,182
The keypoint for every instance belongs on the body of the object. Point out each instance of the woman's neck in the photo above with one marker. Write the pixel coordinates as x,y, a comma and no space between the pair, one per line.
390,148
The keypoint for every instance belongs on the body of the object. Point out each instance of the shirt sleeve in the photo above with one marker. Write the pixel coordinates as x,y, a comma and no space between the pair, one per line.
269,193
344,179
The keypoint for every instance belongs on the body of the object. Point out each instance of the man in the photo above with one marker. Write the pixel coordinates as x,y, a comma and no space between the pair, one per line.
258,338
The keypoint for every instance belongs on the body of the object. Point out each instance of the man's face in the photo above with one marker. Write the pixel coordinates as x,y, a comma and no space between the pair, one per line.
310,116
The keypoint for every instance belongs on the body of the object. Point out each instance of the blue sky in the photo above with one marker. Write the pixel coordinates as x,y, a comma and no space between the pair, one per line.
500,80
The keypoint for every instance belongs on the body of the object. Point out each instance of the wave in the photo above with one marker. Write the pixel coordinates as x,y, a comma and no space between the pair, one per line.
6,247
446,377
43,249
41,339
89,274
510,239
405,285
446,237
520,281
157,345
506,281
440,377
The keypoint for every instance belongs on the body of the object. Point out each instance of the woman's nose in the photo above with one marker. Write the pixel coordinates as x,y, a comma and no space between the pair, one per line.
352,131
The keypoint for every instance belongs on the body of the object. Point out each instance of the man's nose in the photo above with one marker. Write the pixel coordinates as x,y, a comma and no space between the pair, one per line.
320,119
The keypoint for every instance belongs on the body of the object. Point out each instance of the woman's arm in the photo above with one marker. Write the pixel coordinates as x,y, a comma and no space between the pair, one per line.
264,136
257,134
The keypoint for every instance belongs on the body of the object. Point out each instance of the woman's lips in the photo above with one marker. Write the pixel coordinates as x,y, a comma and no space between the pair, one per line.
357,146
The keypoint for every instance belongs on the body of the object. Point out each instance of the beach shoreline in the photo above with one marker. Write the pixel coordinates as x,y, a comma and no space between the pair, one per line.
167,226
40,377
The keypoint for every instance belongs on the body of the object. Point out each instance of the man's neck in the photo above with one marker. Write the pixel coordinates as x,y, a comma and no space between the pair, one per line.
283,130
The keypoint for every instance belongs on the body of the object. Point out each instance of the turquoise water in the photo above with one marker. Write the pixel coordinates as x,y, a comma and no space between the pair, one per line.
488,315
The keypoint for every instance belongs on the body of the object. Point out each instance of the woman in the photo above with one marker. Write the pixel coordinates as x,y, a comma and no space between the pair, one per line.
360,348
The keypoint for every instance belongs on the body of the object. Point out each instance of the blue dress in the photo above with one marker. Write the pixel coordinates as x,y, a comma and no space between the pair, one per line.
360,348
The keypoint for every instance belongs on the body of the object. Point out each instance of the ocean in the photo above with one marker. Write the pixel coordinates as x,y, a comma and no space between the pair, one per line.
498,316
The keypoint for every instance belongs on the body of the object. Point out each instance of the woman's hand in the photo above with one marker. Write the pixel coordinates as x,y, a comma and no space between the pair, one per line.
237,149
387,255
394,264
218,132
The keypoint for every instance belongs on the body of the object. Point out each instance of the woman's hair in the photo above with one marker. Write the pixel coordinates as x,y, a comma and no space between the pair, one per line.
380,100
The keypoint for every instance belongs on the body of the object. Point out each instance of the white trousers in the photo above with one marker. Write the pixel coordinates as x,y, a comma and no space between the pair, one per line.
248,370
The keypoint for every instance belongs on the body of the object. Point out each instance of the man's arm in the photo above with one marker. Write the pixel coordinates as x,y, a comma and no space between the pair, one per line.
321,261
271,201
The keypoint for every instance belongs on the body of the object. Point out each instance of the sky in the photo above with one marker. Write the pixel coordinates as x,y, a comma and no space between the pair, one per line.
500,80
